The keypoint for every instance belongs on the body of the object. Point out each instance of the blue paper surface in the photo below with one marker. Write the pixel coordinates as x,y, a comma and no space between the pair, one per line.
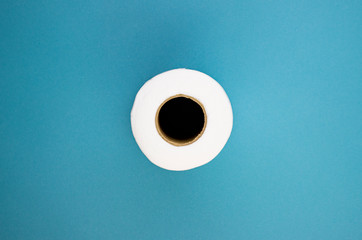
70,168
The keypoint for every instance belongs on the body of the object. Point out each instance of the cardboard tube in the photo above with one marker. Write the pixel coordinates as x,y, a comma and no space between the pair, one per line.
175,141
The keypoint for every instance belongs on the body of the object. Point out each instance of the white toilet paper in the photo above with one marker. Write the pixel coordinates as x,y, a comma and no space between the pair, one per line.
181,119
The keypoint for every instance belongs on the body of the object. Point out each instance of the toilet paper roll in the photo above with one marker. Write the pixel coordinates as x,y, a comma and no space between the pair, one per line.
181,119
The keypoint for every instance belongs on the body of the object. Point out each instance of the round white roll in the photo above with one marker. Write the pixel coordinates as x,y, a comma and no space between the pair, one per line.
202,89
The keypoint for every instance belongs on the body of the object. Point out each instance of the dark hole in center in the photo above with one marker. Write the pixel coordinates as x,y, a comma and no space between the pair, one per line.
181,119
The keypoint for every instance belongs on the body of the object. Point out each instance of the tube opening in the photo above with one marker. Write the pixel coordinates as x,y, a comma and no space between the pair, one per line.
181,120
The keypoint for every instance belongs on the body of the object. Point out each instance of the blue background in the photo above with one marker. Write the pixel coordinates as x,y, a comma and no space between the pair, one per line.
70,168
